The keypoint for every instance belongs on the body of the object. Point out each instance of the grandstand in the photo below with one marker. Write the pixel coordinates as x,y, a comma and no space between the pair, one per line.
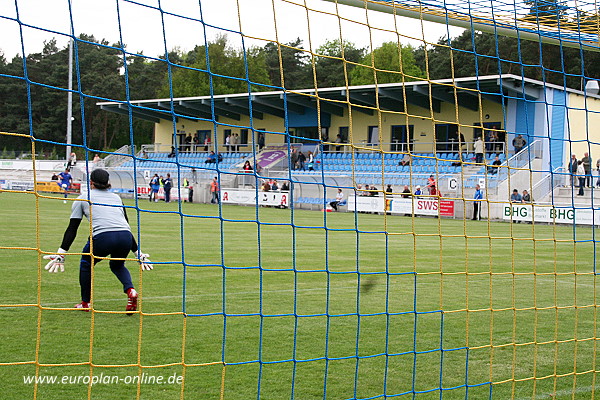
358,132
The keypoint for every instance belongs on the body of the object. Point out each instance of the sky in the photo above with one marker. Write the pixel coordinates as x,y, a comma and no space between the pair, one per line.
142,26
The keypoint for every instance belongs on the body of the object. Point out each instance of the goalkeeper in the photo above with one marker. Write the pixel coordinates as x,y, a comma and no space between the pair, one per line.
111,236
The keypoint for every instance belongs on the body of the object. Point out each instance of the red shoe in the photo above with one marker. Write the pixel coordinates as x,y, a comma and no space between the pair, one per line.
84,306
132,297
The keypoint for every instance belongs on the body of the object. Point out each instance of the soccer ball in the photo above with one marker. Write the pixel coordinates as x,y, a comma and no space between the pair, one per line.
64,186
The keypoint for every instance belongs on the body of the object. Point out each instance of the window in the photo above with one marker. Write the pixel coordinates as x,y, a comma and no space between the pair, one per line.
226,132
373,138
446,137
402,137
243,136
343,132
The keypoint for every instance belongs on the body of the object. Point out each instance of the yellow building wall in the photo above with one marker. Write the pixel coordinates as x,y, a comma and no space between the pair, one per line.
357,122
583,127
164,130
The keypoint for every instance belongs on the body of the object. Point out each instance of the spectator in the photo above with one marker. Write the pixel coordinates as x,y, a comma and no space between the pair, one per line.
301,161
493,140
274,186
433,191
418,191
573,169
54,177
72,160
167,185
587,166
294,159
188,143
172,153
581,177
405,160
518,143
97,157
373,191
206,142
406,192
515,197
214,191
430,183
339,197
311,161
493,169
360,190
598,168
212,158
154,186
477,198
261,141
389,189
228,143
247,167
234,142
461,142
526,197
196,141
338,142
285,187
265,186
478,150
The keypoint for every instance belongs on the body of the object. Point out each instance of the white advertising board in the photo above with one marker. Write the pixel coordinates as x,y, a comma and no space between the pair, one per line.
427,206
249,197
559,215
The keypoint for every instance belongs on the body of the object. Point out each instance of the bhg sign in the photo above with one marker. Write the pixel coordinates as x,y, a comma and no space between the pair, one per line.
559,215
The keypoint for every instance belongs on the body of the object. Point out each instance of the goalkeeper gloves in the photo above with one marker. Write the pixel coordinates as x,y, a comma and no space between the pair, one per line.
57,261
144,259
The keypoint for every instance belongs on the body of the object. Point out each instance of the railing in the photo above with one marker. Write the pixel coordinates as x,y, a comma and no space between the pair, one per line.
558,177
118,157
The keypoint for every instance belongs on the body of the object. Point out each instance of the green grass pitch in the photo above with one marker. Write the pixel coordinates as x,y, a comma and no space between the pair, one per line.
342,306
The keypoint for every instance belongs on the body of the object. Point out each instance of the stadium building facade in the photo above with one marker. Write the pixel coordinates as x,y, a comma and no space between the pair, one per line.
420,116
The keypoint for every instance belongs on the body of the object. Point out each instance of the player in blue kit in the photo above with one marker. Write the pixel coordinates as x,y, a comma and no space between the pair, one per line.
111,236
64,182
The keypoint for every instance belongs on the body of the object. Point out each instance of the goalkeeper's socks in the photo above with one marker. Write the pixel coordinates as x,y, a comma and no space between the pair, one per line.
132,297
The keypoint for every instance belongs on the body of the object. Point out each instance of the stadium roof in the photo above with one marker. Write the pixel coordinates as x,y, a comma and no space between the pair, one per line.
366,99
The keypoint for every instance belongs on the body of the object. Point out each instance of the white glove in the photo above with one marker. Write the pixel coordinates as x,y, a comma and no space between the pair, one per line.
145,262
57,261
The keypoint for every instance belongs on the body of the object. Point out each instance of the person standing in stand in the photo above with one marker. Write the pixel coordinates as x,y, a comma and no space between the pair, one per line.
167,185
477,198
214,190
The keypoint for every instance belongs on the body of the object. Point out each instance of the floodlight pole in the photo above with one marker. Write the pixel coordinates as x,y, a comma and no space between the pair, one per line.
70,100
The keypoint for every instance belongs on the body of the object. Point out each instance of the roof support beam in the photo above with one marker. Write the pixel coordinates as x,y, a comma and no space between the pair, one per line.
139,112
183,112
119,110
521,90
258,107
418,101
220,110
441,95
311,102
295,108
226,105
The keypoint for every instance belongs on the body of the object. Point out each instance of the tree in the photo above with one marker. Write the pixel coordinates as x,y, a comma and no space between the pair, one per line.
388,63
334,62
287,65
225,72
